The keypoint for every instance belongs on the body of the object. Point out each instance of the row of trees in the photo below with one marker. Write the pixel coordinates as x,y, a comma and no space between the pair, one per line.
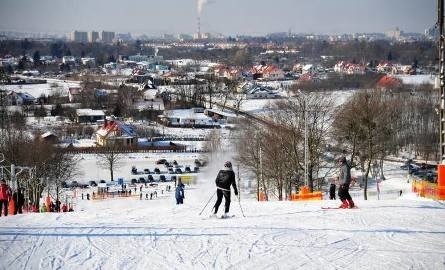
369,126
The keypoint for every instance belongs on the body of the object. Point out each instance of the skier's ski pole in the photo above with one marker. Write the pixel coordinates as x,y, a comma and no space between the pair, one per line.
207,204
239,189
239,202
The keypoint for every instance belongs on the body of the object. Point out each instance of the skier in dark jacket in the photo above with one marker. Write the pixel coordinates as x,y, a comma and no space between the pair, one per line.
225,179
19,201
179,194
332,191
344,181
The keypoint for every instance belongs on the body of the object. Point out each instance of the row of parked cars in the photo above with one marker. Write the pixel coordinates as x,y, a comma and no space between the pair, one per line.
75,184
172,168
422,171
150,179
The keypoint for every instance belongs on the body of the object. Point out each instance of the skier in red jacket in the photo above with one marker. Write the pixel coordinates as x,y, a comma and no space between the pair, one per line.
5,194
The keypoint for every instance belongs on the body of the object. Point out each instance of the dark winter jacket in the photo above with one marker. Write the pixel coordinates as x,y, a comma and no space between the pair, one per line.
225,179
18,198
345,174
179,193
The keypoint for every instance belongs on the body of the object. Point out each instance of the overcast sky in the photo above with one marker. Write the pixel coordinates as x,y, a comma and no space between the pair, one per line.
229,17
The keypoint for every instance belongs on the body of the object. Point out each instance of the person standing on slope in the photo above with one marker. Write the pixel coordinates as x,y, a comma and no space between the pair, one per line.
5,195
179,193
344,181
225,179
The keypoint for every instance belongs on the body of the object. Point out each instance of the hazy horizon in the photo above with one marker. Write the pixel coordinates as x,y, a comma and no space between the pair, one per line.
229,17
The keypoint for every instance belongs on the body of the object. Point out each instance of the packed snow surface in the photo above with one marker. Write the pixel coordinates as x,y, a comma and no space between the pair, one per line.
129,233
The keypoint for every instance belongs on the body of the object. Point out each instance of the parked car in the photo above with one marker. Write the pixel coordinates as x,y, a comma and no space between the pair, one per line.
157,171
64,184
134,181
92,183
74,184
187,169
175,162
161,161
150,178
196,169
178,170
134,170
102,181
162,178
141,180
167,164
170,170
146,171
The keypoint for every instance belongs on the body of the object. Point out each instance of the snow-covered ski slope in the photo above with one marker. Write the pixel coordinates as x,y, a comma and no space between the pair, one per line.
404,233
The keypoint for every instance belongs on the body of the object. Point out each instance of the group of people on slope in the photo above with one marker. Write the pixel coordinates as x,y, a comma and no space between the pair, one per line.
226,179
7,196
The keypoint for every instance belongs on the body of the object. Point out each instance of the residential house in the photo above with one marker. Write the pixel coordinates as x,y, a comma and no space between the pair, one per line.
384,67
222,117
230,73
267,72
88,61
74,94
116,133
89,115
49,137
70,60
308,69
194,117
260,92
20,98
349,68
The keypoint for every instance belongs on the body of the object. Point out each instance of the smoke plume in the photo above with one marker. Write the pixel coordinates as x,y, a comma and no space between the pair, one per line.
200,5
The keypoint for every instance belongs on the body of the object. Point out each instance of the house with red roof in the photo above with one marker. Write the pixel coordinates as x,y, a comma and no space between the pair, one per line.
223,71
267,72
349,68
389,82
384,67
114,132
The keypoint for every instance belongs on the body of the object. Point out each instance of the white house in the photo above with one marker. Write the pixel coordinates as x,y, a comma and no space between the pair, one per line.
194,117
89,115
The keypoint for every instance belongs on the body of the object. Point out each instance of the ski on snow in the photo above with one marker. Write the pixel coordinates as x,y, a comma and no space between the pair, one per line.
331,208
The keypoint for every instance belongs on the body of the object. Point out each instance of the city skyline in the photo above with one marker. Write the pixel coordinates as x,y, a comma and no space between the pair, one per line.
229,17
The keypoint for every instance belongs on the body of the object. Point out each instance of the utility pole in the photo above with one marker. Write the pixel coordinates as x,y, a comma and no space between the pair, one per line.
440,26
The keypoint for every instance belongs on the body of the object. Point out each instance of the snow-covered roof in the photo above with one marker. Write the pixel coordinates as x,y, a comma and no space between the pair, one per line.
185,114
89,112
225,113
115,125
47,134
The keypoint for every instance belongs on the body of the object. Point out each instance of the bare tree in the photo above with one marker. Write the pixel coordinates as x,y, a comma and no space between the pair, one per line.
110,159
366,122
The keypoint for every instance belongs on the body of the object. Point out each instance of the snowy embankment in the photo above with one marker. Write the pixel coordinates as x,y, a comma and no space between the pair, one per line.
405,233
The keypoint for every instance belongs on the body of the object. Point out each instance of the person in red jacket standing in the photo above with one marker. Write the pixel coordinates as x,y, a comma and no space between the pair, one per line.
5,194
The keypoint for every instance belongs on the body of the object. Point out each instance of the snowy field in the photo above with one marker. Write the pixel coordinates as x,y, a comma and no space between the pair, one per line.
417,79
52,86
403,233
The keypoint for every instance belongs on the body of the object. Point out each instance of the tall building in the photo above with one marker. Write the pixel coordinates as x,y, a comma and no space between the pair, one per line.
79,36
107,37
93,36
394,34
